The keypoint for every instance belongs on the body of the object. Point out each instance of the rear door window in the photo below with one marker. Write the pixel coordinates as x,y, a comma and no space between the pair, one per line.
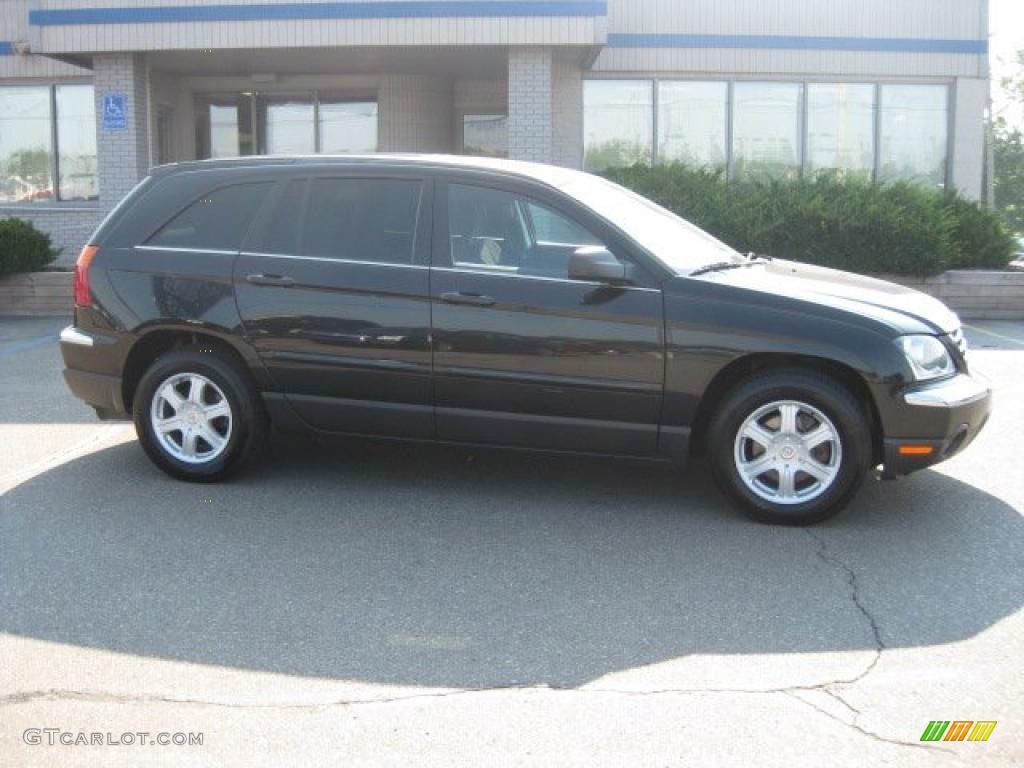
360,219
217,221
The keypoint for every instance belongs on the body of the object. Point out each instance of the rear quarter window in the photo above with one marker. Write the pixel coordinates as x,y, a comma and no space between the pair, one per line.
216,221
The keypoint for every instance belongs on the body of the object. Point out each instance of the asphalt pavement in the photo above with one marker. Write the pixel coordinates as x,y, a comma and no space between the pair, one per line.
364,603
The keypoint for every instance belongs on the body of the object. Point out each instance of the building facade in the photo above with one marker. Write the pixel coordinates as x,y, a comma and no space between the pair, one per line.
94,92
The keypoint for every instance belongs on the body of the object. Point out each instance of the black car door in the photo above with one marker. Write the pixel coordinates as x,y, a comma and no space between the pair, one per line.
524,355
333,290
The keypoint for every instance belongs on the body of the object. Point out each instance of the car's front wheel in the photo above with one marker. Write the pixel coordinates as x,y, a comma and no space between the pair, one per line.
791,446
197,416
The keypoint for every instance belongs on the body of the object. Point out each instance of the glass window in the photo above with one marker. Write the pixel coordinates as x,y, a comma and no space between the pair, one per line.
347,126
766,130
914,133
679,244
841,127
224,126
491,229
217,221
76,143
693,123
362,219
485,135
26,155
286,124
618,123
550,228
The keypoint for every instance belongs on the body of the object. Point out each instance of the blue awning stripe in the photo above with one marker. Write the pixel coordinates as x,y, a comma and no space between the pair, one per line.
800,43
429,9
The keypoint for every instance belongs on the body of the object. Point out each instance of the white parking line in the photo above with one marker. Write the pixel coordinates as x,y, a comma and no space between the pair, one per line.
93,441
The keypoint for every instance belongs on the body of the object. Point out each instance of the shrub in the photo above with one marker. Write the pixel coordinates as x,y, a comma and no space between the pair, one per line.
981,238
23,248
845,222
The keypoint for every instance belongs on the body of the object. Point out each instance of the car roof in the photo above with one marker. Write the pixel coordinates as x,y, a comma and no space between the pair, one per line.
551,175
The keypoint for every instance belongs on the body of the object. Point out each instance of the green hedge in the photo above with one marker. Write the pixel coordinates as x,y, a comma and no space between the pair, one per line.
847,223
23,248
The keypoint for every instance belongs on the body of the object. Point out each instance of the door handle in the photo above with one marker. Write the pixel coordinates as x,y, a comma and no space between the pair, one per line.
279,281
471,299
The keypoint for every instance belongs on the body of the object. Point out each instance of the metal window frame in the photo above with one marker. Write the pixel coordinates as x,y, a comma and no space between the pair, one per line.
55,144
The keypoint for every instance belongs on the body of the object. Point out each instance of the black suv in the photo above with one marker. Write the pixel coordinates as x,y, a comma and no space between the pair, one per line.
506,304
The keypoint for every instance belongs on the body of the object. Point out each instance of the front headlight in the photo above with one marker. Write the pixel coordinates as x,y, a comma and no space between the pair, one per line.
928,357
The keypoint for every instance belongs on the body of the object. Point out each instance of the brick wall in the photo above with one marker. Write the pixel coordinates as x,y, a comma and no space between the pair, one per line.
530,130
123,154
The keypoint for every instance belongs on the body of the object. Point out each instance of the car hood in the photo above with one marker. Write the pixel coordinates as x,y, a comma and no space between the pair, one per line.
904,309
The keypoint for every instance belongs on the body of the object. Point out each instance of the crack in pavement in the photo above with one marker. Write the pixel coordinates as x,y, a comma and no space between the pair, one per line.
834,688
864,731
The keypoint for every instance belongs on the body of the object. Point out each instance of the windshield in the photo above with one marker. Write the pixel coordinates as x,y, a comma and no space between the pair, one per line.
674,241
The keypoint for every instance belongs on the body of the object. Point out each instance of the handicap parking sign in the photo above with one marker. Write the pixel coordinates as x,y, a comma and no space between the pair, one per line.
115,111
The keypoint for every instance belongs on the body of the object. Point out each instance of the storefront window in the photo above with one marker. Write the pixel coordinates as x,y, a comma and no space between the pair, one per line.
618,120
224,125
76,143
286,124
347,126
914,133
766,130
26,154
841,127
485,135
693,123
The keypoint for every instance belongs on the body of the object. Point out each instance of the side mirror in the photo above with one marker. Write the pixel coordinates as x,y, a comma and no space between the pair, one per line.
597,264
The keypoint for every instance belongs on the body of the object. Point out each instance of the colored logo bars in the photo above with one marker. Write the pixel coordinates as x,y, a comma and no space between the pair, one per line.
958,730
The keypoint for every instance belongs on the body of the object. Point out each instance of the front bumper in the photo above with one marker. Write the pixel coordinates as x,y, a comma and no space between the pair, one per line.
951,413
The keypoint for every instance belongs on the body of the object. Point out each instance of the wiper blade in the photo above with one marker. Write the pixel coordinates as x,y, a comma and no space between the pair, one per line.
719,266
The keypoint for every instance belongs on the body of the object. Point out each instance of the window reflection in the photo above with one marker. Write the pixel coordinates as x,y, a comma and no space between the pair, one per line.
693,123
76,142
841,127
914,133
766,130
347,126
286,124
485,135
25,144
905,135
618,119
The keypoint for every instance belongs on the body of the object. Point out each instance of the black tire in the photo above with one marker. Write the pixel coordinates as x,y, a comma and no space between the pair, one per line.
247,417
820,392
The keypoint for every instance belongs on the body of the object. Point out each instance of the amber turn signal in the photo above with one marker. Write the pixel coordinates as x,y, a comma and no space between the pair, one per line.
916,450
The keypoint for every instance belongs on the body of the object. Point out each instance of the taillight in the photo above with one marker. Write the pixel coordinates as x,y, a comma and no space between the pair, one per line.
83,296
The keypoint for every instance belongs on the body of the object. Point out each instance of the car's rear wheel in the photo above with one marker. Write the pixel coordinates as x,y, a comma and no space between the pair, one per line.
791,446
197,416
